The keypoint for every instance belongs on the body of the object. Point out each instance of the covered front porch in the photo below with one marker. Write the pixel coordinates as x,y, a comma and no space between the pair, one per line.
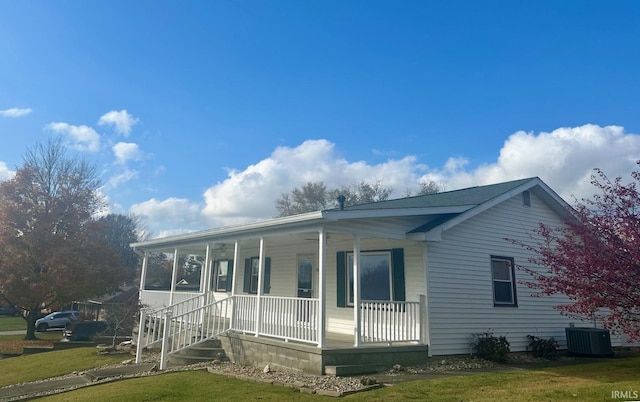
287,334
297,288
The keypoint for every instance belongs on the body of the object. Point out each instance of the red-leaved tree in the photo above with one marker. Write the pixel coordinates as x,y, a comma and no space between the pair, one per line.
595,258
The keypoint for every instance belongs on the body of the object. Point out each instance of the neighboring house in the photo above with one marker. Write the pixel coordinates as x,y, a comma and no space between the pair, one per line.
425,272
98,308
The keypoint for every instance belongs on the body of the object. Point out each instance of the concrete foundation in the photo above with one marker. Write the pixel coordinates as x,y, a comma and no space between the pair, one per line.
293,356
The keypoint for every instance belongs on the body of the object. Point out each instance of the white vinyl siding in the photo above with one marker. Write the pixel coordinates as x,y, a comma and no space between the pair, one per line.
460,288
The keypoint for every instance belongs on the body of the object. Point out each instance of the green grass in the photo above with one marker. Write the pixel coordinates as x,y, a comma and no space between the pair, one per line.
579,382
49,335
12,324
52,364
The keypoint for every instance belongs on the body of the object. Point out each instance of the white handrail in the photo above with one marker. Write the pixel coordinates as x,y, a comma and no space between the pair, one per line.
195,326
151,322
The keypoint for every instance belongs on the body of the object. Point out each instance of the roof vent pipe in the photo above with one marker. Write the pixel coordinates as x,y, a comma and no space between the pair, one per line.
341,199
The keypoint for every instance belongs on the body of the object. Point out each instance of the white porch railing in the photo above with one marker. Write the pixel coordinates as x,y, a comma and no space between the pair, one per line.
393,321
290,318
244,314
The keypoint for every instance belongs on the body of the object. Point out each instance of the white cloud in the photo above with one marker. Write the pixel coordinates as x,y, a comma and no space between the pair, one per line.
15,112
127,151
172,213
564,158
5,172
122,121
122,177
83,138
250,194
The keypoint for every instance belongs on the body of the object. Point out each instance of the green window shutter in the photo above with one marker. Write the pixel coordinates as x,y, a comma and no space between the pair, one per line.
341,278
397,260
230,276
267,275
246,285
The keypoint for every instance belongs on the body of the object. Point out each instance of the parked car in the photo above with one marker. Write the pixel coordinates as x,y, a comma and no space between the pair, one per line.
8,310
57,319
85,330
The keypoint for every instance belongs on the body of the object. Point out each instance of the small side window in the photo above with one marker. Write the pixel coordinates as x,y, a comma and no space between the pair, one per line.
504,283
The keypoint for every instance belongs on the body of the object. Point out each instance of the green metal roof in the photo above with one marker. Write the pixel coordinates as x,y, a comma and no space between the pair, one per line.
467,196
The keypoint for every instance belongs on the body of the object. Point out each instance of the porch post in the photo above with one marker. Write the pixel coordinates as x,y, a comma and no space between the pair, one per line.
423,319
260,286
322,291
236,255
141,331
205,274
174,275
165,340
143,274
356,289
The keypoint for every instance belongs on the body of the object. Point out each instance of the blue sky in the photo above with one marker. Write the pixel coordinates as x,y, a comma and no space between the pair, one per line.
201,114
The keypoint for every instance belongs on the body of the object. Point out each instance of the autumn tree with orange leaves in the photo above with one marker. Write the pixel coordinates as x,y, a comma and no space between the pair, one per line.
52,247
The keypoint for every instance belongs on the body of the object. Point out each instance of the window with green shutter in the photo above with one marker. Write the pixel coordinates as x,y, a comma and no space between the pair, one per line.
222,275
250,283
381,276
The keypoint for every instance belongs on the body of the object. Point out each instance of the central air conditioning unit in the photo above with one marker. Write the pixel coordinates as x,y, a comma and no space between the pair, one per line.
591,342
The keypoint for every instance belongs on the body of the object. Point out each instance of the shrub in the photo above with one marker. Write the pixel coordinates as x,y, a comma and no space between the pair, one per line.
543,347
491,347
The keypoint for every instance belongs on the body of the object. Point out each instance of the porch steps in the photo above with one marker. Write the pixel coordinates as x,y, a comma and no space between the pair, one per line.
352,369
206,351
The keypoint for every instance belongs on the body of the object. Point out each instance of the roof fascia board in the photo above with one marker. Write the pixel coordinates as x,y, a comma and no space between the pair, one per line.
396,212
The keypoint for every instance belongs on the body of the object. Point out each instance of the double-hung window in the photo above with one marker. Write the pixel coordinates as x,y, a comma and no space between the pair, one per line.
251,271
504,282
253,282
222,277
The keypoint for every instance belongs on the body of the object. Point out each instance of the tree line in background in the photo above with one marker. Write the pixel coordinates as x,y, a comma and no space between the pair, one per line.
55,247
315,196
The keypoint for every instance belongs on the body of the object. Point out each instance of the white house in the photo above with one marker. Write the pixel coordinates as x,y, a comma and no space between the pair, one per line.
374,284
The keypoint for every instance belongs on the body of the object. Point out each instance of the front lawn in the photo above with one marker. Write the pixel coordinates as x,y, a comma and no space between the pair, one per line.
52,364
580,382
12,324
